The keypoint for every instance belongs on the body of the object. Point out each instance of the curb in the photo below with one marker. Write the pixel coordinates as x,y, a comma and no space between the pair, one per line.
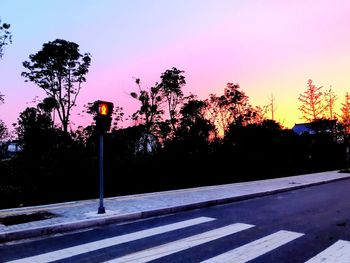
96,222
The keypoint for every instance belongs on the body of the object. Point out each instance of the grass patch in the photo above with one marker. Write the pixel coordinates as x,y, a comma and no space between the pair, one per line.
25,218
346,170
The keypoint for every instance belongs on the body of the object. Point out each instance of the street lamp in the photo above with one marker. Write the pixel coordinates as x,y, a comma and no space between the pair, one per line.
103,124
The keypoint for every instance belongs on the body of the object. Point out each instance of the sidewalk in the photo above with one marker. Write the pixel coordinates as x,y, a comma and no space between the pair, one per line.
83,214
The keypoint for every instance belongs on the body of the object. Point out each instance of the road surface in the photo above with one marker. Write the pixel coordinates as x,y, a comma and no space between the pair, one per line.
305,225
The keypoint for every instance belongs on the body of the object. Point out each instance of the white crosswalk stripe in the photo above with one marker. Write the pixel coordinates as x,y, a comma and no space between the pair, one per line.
339,252
108,242
182,244
256,248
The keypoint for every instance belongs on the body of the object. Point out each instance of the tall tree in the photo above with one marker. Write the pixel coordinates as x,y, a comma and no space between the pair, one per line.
170,86
3,131
48,106
59,69
236,105
213,114
231,108
32,129
5,37
330,99
272,106
150,112
312,106
345,120
345,113
193,122
2,100
258,114
118,116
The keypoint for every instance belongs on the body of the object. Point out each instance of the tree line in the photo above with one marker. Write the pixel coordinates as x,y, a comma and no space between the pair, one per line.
177,140
318,104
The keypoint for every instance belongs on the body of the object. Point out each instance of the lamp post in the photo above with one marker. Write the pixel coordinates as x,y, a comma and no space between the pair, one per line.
103,124
101,209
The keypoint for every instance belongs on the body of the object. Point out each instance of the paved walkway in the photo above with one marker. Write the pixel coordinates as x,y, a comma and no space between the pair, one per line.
83,214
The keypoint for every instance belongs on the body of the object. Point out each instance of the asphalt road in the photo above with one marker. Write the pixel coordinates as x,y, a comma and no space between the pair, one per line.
293,227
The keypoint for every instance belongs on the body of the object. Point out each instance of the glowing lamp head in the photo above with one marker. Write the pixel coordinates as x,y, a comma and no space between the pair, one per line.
103,109
103,117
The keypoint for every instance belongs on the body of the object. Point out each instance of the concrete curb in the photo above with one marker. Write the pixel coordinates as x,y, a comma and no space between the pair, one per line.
64,227
95,222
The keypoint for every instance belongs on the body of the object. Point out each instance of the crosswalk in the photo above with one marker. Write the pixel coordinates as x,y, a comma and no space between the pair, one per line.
182,244
256,248
339,252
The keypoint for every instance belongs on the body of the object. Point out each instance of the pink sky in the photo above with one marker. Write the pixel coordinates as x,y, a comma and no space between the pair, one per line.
268,47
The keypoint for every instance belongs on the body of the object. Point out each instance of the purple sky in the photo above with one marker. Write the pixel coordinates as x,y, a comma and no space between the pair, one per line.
268,47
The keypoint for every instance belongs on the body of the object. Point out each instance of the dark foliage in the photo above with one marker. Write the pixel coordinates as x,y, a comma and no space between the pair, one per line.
183,151
55,168
5,37
60,70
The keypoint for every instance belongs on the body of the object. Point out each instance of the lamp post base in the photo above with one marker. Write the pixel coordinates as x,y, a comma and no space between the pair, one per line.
101,210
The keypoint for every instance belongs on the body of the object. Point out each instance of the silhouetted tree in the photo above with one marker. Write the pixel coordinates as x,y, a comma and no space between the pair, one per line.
254,147
235,104
30,124
170,87
345,113
258,114
312,106
215,114
193,124
49,159
5,37
125,143
118,117
272,125
150,112
38,140
3,131
47,106
59,69
164,133
324,126
3,126
330,98
231,108
272,106
345,120
82,135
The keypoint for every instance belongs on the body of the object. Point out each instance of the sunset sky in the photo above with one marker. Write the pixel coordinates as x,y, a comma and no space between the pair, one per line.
268,47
